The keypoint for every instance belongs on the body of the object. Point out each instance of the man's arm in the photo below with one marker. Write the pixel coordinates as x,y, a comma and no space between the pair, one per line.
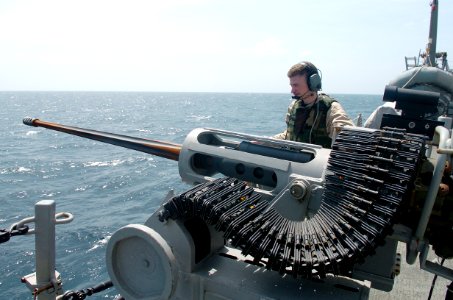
336,118
280,136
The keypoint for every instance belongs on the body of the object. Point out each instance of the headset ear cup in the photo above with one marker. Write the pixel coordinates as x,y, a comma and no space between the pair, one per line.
314,82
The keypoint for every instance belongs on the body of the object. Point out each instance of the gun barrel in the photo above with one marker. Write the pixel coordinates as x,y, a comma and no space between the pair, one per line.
159,148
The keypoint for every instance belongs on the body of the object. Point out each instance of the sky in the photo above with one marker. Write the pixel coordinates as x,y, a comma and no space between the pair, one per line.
211,45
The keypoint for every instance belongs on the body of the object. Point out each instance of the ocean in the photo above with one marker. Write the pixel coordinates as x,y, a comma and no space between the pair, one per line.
107,187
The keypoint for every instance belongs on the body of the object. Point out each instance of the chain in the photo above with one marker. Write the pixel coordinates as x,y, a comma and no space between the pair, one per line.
82,294
5,235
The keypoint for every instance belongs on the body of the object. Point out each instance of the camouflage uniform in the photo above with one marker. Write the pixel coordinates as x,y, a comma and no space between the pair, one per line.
314,123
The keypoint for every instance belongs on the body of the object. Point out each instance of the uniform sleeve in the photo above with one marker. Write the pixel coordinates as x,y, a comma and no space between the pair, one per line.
336,118
375,119
280,136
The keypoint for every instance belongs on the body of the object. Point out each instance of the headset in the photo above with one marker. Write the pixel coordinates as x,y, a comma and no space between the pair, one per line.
313,78
314,85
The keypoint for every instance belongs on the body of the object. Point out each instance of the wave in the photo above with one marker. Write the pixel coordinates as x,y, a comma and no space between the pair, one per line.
100,243
15,170
200,117
31,133
111,163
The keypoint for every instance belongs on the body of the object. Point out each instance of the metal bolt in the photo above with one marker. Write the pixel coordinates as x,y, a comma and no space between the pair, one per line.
298,190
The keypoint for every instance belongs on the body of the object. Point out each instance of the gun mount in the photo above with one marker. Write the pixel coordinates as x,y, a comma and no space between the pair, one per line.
296,209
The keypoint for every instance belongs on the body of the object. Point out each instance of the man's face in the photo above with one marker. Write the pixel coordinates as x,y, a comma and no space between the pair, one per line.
298,85
299,88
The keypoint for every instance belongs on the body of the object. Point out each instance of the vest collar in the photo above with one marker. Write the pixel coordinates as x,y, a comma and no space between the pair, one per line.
302,104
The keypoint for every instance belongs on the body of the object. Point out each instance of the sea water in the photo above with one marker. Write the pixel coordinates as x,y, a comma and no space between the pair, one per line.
107,187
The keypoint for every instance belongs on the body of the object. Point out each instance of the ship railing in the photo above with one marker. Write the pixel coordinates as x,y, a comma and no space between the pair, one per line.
417,244
440,62
411,62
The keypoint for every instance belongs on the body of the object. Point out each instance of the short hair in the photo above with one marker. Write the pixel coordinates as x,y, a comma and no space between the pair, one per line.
302,68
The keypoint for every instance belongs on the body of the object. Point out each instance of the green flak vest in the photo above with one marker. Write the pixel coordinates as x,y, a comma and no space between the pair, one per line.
308,124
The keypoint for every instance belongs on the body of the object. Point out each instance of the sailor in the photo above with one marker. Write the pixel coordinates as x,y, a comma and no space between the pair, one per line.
312,117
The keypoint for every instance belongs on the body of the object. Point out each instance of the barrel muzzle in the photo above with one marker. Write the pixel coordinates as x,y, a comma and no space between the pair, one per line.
29,121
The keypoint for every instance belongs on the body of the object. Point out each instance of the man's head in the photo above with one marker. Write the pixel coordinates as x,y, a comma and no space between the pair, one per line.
305,81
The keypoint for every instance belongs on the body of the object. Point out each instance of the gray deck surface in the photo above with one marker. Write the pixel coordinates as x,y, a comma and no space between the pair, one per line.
414,283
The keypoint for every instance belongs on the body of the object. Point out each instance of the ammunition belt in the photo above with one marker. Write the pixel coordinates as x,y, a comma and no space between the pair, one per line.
368,177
